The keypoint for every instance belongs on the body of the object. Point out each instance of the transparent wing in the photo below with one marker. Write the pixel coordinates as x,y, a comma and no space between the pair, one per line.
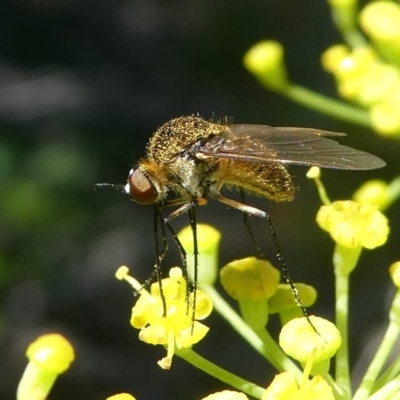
301,146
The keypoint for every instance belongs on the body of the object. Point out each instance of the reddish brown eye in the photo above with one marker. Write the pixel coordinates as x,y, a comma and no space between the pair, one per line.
140,188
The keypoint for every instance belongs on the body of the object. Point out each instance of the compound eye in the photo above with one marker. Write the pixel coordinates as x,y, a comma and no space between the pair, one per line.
140,188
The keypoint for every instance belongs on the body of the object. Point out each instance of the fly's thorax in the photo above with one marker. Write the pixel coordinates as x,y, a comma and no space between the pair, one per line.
190,176
177,135
267,180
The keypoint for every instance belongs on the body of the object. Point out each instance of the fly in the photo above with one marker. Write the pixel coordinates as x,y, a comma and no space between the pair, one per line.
195,159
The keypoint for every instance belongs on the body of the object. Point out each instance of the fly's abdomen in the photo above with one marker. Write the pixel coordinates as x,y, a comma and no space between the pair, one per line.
267,180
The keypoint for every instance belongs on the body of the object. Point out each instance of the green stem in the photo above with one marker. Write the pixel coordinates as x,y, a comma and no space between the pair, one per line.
225,376
394,190
342,356
354,38
345,21
391,373
381,356
326,105
391,391
344,261
390,338
262,342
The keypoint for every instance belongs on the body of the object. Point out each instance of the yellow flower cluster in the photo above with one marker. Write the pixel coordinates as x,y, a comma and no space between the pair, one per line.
353,224
165,314
363,76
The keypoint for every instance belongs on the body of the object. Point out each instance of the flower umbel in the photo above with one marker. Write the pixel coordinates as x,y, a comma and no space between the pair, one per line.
166,316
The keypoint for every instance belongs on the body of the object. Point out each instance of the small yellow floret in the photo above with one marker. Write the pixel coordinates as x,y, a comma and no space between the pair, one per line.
374,192
283,298
394,271
313,173
250,279
51,352
299,339
208,239
285,387
385,116
352,224
121,396
381,20
333,57
226,395
265,61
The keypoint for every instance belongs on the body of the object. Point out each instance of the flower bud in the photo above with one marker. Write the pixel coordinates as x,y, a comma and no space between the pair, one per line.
265,61
394,271
208,239
49,356
374,192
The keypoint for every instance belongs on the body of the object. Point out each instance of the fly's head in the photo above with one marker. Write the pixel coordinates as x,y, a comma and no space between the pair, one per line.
146,184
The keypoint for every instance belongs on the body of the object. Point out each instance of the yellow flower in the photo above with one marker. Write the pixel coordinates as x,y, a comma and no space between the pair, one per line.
332,58
251,282
265,61
301,341
381,20
384,115
283,298
394,271
51,352
374,192
121,396
250,279
285,387
352,224
49,356
208,239
165,314
226,395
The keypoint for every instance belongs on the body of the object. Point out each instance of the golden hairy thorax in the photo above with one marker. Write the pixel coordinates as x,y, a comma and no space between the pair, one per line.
177,135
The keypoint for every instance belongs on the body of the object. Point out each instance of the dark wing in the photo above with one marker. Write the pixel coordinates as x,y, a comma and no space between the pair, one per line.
302,146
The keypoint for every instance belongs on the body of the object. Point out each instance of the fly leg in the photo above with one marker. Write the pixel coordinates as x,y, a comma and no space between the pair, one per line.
285,272
185,208
160,253
259,252
190,208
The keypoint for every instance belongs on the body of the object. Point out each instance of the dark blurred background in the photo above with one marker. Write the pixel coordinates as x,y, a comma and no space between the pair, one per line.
83,84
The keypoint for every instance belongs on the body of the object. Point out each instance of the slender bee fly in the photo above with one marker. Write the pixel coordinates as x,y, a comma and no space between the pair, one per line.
195,159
